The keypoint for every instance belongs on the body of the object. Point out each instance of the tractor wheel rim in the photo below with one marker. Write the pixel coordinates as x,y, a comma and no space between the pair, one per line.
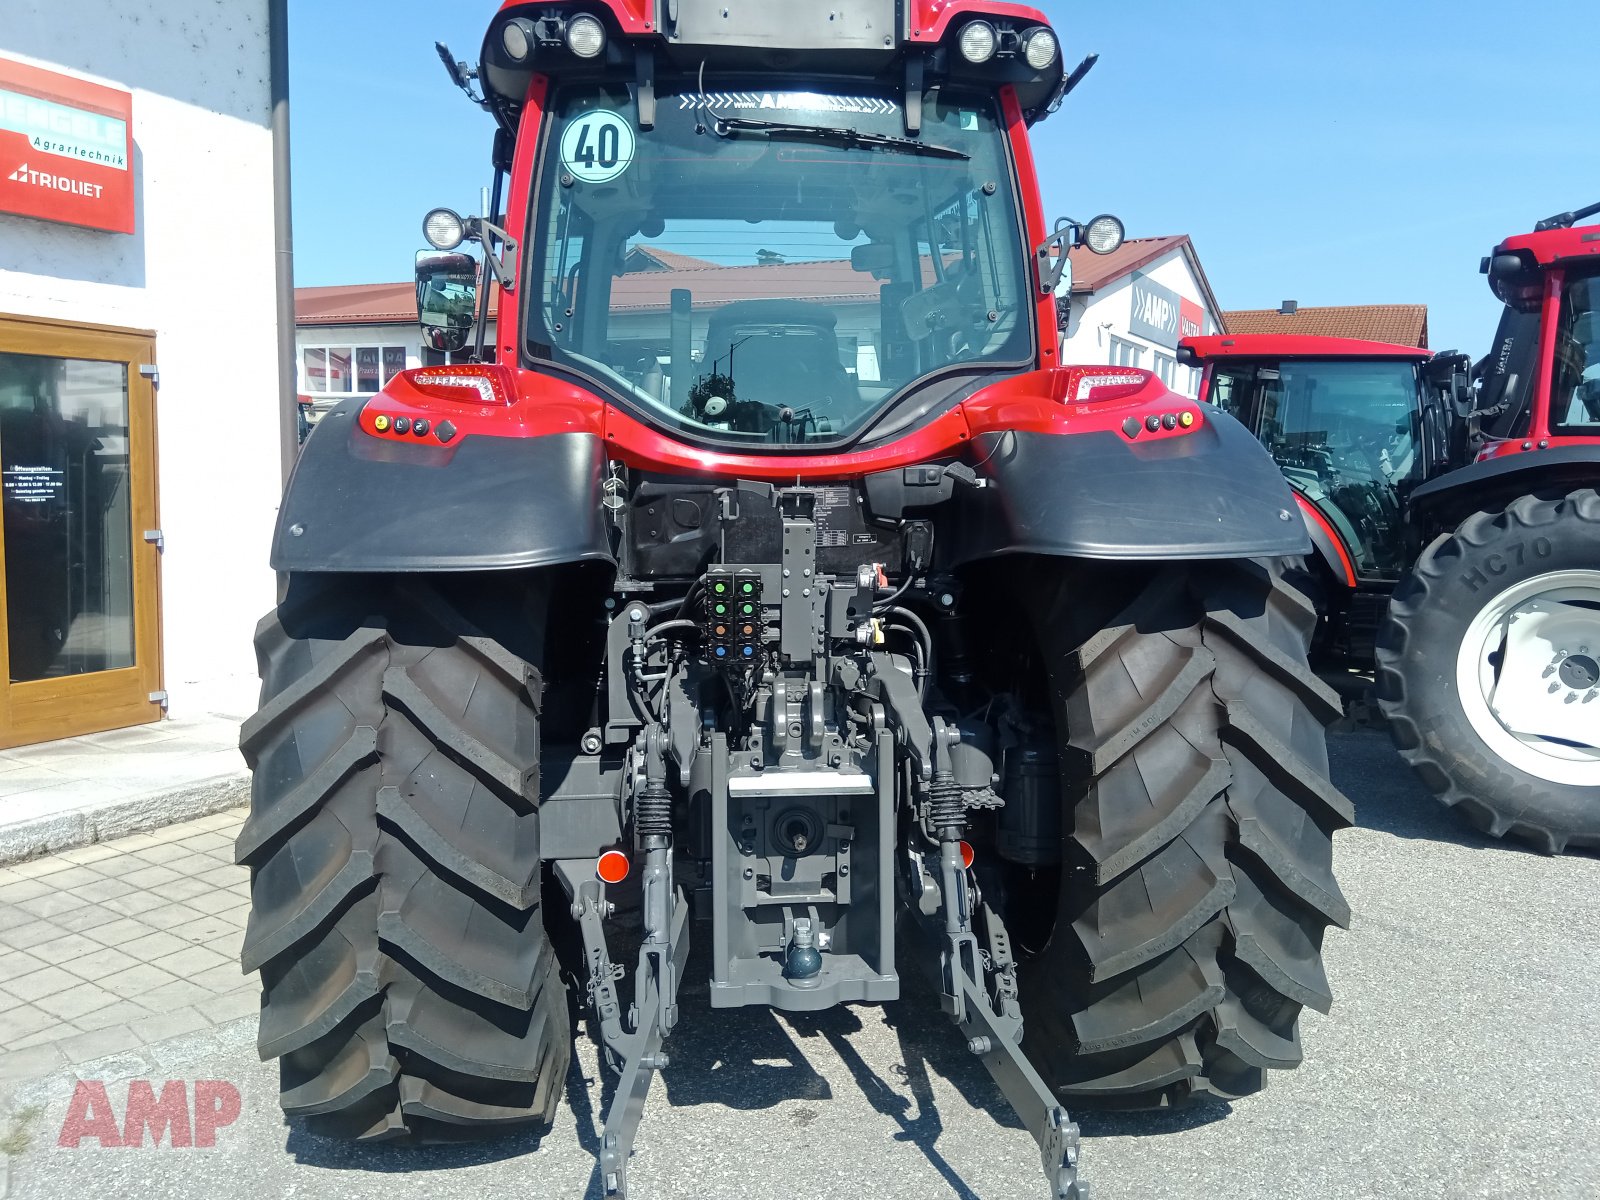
1528,675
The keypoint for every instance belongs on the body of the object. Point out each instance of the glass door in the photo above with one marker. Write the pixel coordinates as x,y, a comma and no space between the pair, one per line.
79,540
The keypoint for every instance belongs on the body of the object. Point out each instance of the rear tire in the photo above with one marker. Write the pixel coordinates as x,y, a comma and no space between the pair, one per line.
1198,875
408,986
1545,793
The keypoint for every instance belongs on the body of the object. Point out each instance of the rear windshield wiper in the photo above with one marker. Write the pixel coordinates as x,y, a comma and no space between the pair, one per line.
848,137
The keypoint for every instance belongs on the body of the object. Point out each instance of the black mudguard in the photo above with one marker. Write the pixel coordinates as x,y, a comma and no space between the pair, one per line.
1213,493
357,503
1445,500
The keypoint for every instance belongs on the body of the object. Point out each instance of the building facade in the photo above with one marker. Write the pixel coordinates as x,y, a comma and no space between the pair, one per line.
1131,308
141,467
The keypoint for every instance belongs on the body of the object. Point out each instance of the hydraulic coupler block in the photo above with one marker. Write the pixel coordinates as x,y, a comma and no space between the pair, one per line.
733,617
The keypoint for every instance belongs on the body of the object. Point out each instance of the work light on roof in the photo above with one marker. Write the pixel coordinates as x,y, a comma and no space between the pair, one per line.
586,37
1039,47
517,37
978,42
444,229
1104,234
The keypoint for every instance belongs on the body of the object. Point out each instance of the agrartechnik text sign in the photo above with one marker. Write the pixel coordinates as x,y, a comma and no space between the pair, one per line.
66,149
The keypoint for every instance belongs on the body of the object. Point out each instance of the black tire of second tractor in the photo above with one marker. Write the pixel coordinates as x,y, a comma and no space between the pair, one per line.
409,989
1197,883
1458,573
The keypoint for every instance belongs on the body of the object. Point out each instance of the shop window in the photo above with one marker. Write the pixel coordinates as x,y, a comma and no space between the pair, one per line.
349,370
1167,370
1125,353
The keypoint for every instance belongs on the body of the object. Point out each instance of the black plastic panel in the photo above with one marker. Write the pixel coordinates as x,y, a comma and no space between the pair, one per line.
675,528
1214,493
361,503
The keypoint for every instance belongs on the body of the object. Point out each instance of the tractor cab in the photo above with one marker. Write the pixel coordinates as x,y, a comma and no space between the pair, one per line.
1540,384
1354,425
762,228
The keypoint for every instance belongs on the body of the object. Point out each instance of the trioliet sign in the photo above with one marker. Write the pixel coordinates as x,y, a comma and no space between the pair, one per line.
66,149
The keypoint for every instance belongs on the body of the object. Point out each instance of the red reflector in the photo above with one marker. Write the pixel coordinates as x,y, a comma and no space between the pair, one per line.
613,866
967,855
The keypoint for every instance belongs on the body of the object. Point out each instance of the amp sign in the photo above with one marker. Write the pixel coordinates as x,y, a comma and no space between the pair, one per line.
66,149
1157,312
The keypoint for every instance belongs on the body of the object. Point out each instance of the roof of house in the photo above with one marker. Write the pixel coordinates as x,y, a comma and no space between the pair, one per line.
1399,324
356,304
1091,272
639,291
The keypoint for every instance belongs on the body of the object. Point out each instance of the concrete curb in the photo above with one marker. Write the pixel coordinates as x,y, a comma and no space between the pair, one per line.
122,816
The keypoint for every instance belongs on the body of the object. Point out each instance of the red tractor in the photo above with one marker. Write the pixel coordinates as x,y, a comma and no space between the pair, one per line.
768,575
1458,528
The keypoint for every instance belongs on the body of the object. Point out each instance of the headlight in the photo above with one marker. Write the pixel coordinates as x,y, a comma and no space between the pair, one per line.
517,38
586,37
978,42
1104,234
444,229
1039,47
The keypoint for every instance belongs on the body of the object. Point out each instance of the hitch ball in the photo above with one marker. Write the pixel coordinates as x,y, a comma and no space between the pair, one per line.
802,965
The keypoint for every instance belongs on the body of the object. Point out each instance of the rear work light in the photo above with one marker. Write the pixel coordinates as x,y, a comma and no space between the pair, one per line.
1039,47
586,37
518,38
978,42
1104,235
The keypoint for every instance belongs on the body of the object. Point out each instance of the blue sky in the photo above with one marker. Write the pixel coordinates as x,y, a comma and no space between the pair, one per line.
1331,154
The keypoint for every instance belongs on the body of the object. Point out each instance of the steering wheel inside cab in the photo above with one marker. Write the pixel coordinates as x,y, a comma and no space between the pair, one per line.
951,312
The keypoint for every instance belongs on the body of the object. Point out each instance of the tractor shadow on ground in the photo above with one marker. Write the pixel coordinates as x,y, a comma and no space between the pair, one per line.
756,1058
388,1158
1389,798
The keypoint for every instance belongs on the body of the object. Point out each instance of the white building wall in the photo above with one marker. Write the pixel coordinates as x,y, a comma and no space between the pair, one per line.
1099,317
199,272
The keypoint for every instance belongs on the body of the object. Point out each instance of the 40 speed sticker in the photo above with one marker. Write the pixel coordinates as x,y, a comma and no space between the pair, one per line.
598,146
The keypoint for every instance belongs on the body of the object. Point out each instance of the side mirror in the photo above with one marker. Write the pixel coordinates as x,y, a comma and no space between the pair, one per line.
447,299
873,256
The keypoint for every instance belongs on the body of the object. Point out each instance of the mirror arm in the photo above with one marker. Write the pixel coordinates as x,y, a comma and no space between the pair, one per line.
1052,266
502,264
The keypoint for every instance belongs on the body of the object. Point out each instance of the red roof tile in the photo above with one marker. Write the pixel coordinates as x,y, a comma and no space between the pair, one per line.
356,304
1400,324
1091,271
713,286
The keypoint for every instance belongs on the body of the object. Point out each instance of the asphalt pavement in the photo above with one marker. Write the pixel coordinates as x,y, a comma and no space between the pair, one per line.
1460,1060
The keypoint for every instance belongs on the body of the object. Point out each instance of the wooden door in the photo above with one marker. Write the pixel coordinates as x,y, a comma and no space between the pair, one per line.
80,595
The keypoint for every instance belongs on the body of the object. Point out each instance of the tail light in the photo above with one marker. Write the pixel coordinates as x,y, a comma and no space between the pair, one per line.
471,383
1100,385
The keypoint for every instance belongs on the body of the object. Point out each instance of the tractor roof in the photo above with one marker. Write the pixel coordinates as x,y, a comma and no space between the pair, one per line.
887,41
1555,246
1293,345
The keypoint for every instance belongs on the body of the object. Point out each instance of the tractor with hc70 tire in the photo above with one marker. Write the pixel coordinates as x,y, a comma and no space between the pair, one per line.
1457,530
768,575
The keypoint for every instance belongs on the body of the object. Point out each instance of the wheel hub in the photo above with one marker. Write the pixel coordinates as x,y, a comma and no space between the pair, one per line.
1529,676
1579,672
